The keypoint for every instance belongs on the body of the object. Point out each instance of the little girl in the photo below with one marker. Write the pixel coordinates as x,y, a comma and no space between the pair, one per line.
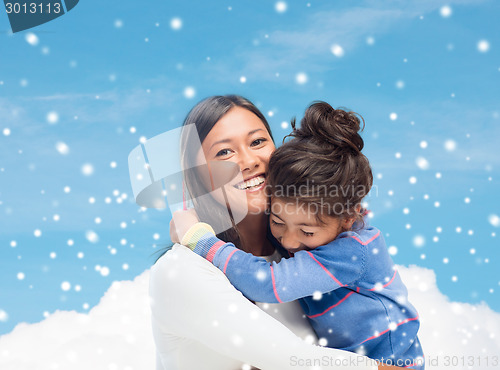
338,266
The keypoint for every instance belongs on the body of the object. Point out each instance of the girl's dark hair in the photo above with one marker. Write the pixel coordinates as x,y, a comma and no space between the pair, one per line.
204,116
322,165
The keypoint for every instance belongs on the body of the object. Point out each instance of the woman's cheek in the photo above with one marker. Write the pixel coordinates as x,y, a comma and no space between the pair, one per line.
267,154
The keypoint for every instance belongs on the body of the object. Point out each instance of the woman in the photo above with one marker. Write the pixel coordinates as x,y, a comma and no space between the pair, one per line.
199,320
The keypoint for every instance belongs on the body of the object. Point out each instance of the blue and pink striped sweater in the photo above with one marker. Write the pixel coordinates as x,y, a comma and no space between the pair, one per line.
349,289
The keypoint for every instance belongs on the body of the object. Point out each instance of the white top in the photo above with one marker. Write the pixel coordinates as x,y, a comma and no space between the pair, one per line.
200,321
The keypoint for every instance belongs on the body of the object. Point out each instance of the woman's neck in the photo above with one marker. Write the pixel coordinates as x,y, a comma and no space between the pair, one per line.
253,232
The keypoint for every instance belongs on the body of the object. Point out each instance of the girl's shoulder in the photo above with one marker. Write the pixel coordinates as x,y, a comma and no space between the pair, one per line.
363,234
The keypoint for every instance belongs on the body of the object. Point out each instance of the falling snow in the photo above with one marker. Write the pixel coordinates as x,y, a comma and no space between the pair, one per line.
301,78
494,220
176,24
189,92
87,169
445,11
337,50
52,117
62,148
3,316
281,6
32,39
92,236
422,163
419,241
483,46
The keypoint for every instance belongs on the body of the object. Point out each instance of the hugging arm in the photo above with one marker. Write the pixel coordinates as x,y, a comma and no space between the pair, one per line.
323,269
191,299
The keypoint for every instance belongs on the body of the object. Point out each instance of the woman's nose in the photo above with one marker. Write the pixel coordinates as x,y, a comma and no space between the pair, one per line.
248,160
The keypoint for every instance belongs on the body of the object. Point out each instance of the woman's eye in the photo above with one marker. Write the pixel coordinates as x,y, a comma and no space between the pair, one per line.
276,223
222,152
307,234
258,141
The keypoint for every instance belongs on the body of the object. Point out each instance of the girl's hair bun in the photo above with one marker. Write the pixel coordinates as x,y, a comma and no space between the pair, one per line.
335,127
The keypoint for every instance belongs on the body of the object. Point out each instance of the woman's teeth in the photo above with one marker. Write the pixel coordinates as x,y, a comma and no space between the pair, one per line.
252,183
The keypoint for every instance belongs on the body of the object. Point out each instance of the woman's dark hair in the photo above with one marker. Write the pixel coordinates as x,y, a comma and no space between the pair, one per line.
204,116
322,165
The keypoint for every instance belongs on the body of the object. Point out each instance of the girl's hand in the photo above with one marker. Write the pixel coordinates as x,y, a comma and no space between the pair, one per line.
181,222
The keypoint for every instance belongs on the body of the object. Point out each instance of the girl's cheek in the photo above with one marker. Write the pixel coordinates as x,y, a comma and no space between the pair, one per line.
275,233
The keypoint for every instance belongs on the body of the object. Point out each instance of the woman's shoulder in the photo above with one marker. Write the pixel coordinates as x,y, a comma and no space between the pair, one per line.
180,260
180,282
180,270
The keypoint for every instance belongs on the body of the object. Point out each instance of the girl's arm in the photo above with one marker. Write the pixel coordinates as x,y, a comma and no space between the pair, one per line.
323,269
191,299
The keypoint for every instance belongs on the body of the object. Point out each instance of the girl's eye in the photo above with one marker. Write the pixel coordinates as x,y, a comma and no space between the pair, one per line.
258,141
222,152
276,223
307,234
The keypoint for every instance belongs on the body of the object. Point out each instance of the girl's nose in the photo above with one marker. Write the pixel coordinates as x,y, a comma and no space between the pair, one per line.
289,242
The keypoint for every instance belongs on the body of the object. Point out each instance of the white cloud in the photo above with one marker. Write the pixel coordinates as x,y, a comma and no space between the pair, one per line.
116,334
450,328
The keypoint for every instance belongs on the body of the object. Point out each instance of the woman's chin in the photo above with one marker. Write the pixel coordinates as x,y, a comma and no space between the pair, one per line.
257,205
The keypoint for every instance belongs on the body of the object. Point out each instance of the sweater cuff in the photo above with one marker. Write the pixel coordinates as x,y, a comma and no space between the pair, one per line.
195,233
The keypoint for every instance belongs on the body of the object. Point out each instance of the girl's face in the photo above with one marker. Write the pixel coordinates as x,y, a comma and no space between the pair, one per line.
240,137
297,228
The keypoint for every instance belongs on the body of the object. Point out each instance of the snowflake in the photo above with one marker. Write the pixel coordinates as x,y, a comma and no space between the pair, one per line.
281,6
337,50
483,46
32,39
87,169
450,145
422,163
189,92
301,78
261,275
317,295
176,24
445,11
52,117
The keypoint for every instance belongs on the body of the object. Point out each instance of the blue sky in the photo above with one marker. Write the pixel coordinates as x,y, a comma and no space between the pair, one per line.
78,93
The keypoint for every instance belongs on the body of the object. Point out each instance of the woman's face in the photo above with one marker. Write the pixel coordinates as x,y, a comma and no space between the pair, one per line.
240,137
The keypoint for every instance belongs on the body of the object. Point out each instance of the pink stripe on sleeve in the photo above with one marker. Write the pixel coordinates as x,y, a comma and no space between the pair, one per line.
227,260
274,286
325,269
329,308
410,366
368,241
385,331
386,285
213,249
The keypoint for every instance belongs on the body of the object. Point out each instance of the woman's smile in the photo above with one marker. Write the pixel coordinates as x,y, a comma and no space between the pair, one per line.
252,184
